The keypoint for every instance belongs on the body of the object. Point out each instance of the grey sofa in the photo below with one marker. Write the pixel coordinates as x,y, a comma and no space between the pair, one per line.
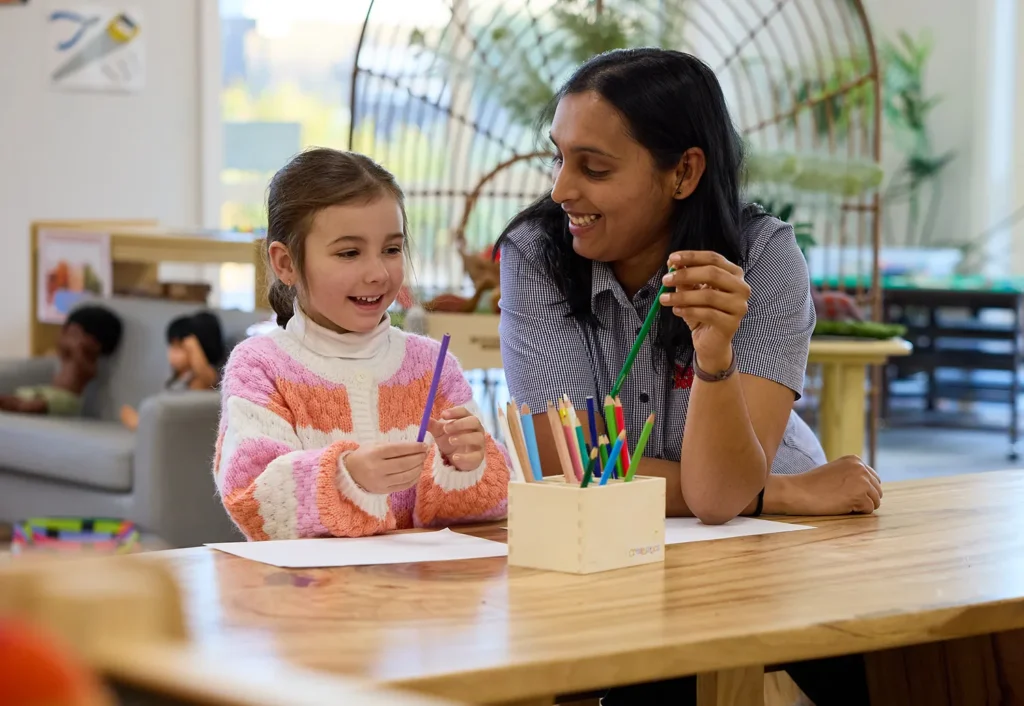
158,476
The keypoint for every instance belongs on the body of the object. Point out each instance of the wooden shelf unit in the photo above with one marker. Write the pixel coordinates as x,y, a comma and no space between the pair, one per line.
137,247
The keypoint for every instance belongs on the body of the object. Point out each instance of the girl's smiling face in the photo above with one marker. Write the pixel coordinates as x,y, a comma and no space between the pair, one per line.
354,264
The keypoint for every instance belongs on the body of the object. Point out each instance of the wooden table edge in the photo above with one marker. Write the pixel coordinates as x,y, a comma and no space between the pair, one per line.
584,674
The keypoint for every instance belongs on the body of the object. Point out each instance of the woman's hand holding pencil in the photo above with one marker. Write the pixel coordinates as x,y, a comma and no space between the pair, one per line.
711,297
461,438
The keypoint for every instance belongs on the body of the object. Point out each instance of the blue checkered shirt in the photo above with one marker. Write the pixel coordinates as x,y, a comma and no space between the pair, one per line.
546,354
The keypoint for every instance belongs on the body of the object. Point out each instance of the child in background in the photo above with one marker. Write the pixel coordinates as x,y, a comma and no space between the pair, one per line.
89,333
195,352
319,418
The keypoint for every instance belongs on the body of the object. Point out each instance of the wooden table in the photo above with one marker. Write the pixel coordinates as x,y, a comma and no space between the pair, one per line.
942,560
845,365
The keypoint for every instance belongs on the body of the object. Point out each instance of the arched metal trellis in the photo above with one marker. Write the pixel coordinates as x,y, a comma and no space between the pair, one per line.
447,97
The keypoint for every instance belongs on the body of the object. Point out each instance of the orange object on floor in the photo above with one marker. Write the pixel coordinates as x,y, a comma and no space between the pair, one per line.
38,670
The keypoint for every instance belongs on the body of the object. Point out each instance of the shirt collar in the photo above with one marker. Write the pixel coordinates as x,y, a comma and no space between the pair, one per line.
603,280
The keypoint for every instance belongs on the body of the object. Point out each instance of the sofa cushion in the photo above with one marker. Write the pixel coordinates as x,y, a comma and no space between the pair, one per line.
84,451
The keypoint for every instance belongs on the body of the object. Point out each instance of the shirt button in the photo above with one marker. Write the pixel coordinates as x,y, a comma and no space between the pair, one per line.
644,398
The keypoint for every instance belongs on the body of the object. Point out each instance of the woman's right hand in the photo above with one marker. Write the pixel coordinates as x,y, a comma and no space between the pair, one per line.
387,468
841,487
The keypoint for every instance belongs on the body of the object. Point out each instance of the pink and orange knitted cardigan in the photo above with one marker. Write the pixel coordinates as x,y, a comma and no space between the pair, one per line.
289,414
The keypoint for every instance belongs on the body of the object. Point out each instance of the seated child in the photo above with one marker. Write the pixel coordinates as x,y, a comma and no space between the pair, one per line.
319,419
195,351
89,332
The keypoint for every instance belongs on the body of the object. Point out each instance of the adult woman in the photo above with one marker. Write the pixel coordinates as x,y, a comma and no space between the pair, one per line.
646,170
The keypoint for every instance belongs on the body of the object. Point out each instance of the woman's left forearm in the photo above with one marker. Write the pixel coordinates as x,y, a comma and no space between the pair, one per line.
725,464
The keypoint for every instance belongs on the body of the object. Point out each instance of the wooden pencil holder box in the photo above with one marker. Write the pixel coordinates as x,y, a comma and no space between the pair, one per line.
560,526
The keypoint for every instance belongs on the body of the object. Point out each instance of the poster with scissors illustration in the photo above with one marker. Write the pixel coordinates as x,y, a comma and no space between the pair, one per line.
96,48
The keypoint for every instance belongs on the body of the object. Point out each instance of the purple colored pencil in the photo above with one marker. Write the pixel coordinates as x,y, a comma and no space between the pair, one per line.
433,388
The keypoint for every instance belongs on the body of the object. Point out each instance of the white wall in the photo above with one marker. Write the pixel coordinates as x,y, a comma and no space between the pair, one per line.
952,73
67,155
979,85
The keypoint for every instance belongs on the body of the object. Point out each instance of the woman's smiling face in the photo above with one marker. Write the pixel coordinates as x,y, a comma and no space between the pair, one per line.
617,199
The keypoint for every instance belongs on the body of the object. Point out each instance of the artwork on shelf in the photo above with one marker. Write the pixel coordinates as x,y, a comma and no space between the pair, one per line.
96,48
70,265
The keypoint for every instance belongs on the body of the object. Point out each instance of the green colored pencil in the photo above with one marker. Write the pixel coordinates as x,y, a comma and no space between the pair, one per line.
644,330
640,446
611,426
588,475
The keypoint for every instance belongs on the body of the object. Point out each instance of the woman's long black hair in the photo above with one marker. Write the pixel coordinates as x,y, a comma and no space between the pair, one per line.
670,102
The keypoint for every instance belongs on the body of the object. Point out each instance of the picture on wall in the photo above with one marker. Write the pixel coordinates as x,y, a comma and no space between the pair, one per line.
71,265
96,48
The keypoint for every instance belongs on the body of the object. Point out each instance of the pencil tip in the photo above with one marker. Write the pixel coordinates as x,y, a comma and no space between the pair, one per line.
526,409
622,435
650,417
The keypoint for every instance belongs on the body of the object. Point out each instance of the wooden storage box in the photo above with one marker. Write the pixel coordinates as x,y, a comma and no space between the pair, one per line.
559,526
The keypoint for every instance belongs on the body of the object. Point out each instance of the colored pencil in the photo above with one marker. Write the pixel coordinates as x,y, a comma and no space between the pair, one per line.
620,420
581,440
574,422
559,440
516,427
592,419
639,342
645,434
517,468
570,421
574,455
588,475
602,442
613,427
612,456
530,436
432,393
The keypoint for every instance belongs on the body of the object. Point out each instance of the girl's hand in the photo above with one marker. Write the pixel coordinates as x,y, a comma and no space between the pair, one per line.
711,297
460,437
387,468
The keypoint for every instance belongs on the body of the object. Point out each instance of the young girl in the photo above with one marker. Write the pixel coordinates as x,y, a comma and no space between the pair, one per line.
319,418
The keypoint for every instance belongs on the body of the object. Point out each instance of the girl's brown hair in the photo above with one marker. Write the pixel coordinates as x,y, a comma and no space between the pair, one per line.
312,181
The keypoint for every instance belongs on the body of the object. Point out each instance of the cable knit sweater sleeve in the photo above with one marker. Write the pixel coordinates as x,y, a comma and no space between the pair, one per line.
270,486
446,495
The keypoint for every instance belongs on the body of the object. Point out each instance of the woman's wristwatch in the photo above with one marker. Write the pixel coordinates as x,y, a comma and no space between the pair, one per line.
717,377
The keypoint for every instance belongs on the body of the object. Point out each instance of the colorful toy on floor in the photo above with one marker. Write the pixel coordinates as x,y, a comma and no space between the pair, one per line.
75,534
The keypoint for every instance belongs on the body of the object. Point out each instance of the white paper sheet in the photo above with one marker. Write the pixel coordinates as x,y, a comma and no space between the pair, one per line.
680,530
442,545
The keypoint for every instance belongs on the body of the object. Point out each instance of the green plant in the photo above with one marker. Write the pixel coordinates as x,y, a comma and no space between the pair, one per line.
907,108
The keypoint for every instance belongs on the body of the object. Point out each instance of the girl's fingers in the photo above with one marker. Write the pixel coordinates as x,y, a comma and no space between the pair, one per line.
462,426
403,481
468,460
405,464
455,413
471,441
402,449
706,299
